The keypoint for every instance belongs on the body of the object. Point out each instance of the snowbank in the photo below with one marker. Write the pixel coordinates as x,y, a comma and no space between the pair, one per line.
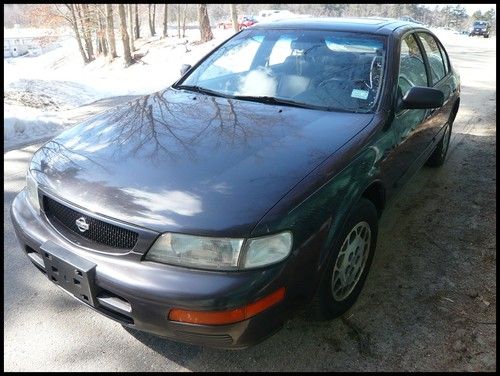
39,90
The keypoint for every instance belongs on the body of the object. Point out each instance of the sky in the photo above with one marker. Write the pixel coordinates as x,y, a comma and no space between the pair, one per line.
471,8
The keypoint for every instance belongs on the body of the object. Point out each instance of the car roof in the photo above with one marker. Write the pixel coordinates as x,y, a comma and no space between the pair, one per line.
373,25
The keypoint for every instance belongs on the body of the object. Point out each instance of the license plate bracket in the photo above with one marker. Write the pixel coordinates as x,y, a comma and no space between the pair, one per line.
71,272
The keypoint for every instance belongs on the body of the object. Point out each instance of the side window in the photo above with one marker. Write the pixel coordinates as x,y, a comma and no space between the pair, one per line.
411,65
434,56
445,59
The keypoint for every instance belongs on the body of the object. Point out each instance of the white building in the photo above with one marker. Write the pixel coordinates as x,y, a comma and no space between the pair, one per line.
16,46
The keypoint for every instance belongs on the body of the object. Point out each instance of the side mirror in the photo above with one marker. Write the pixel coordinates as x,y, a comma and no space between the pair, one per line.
420,97
185,68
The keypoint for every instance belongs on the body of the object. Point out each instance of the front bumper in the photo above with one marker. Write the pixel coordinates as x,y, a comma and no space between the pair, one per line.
140,294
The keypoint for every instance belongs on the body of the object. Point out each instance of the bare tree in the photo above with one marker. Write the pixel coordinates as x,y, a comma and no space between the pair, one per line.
101,32
86,27
204,22
137,25
165,21
184,15
110,31
151,17
125,39
131,27
178,20
234,17
74,24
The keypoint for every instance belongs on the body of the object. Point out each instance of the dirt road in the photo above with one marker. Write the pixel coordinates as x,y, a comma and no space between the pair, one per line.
429,303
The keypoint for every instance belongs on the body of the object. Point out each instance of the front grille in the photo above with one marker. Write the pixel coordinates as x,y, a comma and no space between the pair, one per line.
98,231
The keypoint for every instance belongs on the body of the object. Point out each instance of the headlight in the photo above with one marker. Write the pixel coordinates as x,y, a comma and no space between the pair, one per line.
188,250
32,190
219,253
267,249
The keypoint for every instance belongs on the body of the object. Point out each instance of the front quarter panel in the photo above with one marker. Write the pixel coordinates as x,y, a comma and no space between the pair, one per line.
316,208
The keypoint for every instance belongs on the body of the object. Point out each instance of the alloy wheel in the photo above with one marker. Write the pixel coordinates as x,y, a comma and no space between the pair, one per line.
351,261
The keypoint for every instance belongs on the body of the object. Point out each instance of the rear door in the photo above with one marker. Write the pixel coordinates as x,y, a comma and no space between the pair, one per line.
441,78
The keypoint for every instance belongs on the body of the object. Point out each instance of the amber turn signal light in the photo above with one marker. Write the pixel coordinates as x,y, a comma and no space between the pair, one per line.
229,316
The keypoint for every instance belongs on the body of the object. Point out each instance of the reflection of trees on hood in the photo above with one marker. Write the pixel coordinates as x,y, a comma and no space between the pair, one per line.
158,123
60,164
61,158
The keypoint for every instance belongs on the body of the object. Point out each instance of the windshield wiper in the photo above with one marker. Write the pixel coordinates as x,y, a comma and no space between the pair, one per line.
285,102
202,90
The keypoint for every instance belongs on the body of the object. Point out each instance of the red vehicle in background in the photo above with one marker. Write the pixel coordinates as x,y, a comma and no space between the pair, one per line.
243,23
247,21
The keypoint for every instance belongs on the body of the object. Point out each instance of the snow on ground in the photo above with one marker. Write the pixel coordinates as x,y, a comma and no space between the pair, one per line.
40,90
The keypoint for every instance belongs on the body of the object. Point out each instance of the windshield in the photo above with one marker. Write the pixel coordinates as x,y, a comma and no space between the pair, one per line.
480,24
320,69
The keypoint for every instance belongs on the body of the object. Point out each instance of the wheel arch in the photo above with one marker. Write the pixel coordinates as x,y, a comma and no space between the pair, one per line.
375,192
454,111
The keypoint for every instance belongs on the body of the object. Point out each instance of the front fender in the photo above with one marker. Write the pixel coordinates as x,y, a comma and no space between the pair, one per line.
317,219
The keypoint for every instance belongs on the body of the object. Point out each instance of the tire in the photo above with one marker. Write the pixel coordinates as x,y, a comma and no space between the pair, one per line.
486,36
438,156
332,301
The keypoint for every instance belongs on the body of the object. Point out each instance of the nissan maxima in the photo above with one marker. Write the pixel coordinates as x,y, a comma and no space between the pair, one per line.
209,211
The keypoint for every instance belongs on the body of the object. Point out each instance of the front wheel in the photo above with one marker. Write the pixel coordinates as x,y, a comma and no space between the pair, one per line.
348,267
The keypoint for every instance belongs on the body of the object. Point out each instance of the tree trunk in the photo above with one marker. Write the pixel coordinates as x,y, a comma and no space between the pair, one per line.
234,17
154,19
84,32
125,40
204,22
165,21
88,31
131,27
102,30
151,18
110,31
77,33
178,20
137,25
184,21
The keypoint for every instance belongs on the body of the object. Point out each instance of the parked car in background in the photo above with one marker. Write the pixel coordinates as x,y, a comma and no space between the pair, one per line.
243,23
480,28
209,211
247,21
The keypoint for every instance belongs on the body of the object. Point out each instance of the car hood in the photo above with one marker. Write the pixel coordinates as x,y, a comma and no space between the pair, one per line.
186,162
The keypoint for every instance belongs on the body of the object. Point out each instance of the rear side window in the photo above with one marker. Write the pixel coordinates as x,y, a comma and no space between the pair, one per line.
411,66
434,56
